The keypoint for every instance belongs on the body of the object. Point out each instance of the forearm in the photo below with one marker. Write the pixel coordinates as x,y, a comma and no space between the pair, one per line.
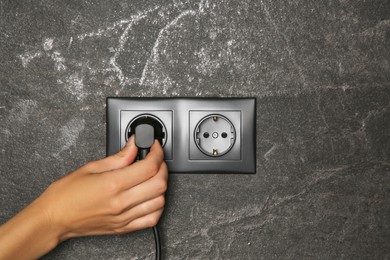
28,235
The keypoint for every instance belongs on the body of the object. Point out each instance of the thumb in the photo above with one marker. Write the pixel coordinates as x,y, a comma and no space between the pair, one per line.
116,161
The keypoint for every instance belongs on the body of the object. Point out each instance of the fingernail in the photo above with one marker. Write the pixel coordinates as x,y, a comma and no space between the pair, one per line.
130,142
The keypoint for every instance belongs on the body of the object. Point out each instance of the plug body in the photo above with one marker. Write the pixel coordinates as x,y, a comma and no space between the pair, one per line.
146,129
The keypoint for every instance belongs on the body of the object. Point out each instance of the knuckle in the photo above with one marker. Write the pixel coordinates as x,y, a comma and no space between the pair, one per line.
153,168
160,202
164,164
91,166
120,230
151,221
116,206
164,168
145,208
111,185
120,219
161,185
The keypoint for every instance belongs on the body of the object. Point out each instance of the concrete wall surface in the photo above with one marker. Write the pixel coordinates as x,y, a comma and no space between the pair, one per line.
320,71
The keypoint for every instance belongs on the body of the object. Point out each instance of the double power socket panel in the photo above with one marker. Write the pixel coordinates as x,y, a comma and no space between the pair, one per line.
200,135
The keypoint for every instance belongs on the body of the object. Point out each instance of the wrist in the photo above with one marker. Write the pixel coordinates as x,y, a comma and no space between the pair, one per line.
47,220
45,232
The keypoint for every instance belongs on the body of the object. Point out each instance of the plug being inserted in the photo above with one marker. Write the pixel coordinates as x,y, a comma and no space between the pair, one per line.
146,129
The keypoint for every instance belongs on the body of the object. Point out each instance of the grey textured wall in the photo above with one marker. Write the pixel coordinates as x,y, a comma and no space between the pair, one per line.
320,71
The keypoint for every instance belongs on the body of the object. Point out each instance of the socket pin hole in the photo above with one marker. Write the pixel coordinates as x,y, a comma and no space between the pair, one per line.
224,135
206,135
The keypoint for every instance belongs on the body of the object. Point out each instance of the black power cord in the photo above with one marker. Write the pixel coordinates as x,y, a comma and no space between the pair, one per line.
157,242
146,130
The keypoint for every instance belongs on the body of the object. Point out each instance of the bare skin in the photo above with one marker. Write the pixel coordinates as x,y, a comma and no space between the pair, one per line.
109,196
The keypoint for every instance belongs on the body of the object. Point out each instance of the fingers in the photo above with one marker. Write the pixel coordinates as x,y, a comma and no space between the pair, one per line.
116,161
147,221
150,189
147,190
141,210
140,171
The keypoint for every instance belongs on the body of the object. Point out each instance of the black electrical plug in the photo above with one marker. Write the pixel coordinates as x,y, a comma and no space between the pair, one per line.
146,130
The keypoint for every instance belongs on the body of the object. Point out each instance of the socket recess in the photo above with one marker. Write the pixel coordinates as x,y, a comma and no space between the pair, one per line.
216,146
200,135
215,135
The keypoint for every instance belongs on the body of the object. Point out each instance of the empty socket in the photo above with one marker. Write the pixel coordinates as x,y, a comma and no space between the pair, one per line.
215,135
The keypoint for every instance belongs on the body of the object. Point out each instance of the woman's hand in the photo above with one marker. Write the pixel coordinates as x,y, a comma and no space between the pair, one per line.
107,196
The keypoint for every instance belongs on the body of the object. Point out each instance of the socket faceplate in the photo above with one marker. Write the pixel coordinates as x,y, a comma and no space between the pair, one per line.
182,118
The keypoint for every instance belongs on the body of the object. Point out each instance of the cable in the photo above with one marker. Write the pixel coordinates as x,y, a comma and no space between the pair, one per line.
155,228
146,130
157,242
